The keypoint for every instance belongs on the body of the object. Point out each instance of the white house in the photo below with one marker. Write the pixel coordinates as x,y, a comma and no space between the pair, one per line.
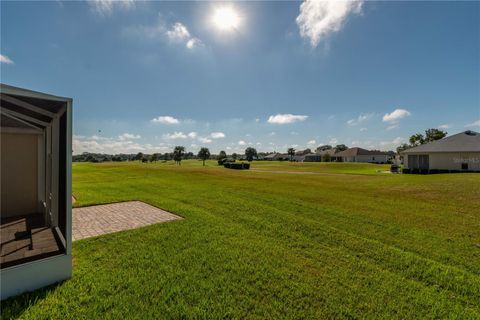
362,155
459,152
36,215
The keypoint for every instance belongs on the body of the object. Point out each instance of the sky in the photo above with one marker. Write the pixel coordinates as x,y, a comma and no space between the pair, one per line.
146,76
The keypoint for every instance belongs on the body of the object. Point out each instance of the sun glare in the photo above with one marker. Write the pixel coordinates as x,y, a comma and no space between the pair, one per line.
226,19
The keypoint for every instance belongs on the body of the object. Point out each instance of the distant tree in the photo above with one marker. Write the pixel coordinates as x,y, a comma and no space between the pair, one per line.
403,147
178,153
323,148
222,155
204,154
416,139
156,156
434,134
139,156
419,139
291,153
250,153
326,157
234,156
341,147
144,159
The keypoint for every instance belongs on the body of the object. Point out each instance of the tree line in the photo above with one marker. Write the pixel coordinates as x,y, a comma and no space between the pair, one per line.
178,154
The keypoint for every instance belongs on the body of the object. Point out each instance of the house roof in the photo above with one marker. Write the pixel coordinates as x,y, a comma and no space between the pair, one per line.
271,156
310,155
331,152
468,141
352,152
298,158
26,108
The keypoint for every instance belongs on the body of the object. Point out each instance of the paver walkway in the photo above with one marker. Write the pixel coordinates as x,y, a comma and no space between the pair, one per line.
107,218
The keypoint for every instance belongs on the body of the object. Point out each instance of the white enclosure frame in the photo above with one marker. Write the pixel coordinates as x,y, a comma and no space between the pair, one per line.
43,272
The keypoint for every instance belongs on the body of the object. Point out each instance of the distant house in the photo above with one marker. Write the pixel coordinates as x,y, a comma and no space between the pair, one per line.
312,157
459,152
362,155
331,152
271,156
277,156
303,152
298,158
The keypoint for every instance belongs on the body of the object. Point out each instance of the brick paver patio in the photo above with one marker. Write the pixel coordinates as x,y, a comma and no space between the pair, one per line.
102,219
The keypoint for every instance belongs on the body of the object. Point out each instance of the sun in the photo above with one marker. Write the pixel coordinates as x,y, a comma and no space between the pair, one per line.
226,19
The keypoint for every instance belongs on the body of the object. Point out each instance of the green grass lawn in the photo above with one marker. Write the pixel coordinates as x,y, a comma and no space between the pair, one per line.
337,241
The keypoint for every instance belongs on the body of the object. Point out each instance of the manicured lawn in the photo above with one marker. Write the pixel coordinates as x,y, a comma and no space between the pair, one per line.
347,242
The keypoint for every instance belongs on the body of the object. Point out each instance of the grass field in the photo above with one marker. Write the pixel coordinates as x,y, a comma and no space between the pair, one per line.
281,241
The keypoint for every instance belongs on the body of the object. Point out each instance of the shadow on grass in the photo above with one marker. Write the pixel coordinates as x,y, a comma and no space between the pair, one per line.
14,307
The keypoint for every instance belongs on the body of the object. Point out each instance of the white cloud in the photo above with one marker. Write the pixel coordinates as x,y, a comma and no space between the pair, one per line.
217,135
333,141
5,59
443,126
106,7
241,143
165,120
363,129
96,137
311,142
193,43
174,136
179,33
192,135
128,136
204,140
114,146
286,118
361,118
396,115
473,124
393,143
318,19
393,126
271,134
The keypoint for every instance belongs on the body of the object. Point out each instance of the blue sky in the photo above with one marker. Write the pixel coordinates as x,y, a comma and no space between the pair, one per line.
146,76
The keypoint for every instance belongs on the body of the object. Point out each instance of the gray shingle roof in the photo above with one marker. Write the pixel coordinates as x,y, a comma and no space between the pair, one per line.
359,152
468,141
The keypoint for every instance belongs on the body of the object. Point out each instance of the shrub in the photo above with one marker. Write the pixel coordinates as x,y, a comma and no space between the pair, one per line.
405,170
423,171
434,171
394,168
443,171
238,166
415,171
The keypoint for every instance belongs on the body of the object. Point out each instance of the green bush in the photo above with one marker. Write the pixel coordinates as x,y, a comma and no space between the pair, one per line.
237,165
